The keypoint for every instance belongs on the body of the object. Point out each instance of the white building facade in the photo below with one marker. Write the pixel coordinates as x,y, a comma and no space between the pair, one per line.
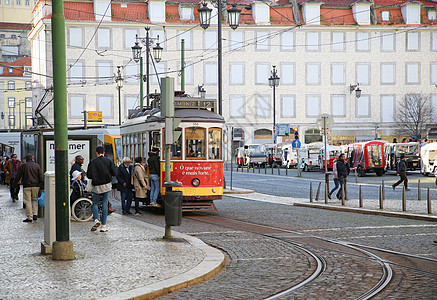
319,49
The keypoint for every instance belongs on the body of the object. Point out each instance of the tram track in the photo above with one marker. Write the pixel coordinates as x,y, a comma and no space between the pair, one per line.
312,245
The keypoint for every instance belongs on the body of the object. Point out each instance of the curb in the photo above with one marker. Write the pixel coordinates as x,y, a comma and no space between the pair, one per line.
211,265
370,211
237,191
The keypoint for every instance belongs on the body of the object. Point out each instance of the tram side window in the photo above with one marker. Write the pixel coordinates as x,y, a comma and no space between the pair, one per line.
156,140
109,153
195,141
214,143
176,148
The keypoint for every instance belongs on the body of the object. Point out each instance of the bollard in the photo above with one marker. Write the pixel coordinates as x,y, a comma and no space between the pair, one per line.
342,194
248,167
318,191
272,169
265,168
381,206
286,171
311,192
404,200
419,193
429,201
253,170
383,191
326,194
279,170
361,196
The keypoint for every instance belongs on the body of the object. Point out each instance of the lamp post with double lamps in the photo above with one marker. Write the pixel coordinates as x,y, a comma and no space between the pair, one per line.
119,82
205,20
274,82
137,56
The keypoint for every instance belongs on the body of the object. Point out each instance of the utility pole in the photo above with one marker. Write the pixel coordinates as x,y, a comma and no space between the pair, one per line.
62,247
183,65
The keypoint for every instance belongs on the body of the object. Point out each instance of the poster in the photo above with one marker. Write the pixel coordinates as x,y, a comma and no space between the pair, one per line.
75,147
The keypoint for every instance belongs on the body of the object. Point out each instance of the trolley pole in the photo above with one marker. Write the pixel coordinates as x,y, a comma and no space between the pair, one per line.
62,247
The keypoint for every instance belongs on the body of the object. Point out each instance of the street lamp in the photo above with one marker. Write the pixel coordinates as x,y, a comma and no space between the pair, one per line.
119,81
355,87
157,55
201,91
274,82
205,19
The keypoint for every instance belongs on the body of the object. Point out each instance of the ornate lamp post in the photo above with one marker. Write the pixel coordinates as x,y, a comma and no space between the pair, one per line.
119,81
205,20
274,82
136,52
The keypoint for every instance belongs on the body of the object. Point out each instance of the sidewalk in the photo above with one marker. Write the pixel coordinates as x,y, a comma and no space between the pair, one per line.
130,260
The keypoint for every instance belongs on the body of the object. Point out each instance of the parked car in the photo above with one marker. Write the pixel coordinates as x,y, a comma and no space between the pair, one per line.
255,155
274,155
393,152
428,154
309,156
367,157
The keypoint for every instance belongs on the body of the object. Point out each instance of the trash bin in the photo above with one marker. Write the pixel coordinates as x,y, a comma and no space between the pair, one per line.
40,211
173,204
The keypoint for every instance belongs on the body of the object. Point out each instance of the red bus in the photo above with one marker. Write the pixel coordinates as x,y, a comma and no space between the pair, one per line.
367,157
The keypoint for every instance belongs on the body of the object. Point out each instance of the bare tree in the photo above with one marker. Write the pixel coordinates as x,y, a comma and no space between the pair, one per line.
413,115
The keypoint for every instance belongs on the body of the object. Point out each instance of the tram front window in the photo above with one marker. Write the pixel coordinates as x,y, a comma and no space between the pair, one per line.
195,142
214,142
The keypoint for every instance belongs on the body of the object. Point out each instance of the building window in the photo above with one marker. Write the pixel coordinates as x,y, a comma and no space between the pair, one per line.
313,41
388,42
131,73
210,41
76,72
18,2
387,108
385,16
2,36
362,73
11,102
76,37
338,105
11,120
27,71
10,70
237,40
237,106
434,107
104,72
27,2
432,16
262,41
104,104
388,73
262,73
263,107
7,2
312,73
131,102
160,36
186,13
413,41
210,73
237,75
189,75
434,73
288,73
129,38
262,134
362,105
363,41
288,106
28,85
337,41
412,73
312,105
104,38
186,36
29,102
76,106
338,75
29,120
11,85
433,40
160,72
287,41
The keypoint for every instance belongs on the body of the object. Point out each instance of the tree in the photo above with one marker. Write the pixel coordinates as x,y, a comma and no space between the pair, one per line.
413,115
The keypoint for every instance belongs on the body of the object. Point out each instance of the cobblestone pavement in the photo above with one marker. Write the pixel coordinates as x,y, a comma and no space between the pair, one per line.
260,266
128,256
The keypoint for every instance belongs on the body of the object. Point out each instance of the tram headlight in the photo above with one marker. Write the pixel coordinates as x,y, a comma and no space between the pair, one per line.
195,182
213,190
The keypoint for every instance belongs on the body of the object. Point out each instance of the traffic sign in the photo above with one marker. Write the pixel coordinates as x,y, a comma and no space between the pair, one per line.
283,129
94,116
295,144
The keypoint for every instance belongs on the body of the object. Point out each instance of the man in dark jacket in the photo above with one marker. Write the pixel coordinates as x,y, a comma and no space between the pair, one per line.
342,173
32,180
402,172
124,185
154,170
100,171
77,166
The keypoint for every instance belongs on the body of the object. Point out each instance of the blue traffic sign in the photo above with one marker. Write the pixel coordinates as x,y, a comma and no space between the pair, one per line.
295,144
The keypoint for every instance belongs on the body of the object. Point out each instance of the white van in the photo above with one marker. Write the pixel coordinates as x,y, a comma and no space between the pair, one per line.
428,154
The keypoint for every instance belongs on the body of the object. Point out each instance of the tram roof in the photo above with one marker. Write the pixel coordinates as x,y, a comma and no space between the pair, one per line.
186,115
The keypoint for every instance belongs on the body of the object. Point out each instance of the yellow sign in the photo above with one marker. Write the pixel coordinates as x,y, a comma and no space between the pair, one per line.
163,167
94,116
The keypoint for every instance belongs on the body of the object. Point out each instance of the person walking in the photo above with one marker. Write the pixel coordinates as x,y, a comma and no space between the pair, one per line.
11,170
100,170
30,175
335,177
402,172
154,170
124,185
342,173
77,166
140,183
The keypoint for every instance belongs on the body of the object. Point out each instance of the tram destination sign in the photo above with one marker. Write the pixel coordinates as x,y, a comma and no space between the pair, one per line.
194,103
